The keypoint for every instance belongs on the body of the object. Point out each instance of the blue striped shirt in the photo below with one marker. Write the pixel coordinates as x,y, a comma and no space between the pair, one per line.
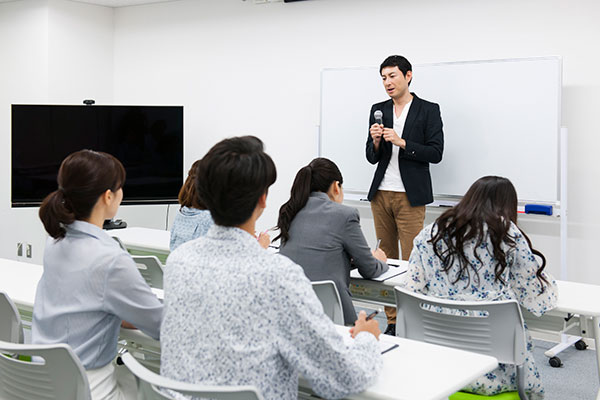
88,286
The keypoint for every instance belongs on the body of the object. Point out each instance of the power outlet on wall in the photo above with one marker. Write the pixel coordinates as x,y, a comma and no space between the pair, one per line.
28,250
19,249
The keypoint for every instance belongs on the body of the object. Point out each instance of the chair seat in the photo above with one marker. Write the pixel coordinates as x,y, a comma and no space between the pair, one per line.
471,396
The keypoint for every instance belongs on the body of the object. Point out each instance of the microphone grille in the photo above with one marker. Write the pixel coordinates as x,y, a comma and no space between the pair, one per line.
378,114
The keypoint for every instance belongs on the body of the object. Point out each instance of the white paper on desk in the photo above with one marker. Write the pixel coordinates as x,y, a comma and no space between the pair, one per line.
383,344
394,270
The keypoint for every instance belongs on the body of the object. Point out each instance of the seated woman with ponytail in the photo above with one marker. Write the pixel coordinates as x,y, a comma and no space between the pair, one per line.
324,236
90,285
474,252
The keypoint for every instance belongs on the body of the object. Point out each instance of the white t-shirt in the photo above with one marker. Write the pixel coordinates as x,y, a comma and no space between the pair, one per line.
392,180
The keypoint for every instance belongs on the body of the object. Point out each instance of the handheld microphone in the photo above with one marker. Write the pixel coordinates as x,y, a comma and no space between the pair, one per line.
378,114
378,117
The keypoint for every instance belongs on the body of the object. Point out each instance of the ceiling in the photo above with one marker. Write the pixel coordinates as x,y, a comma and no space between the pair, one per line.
113,3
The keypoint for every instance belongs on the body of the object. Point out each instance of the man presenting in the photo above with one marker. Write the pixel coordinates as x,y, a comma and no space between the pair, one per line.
405,136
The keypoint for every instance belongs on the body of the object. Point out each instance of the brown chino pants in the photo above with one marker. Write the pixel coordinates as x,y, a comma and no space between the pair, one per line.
396,220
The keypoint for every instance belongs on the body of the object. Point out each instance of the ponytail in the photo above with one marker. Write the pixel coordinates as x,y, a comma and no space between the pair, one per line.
298,199
315,177
82,178
55,214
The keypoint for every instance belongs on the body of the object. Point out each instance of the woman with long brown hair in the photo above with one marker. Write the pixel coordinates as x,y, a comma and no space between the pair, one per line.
474,252
90,285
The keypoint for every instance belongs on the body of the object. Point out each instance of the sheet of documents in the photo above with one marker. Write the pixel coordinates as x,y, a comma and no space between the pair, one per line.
397,267
384,344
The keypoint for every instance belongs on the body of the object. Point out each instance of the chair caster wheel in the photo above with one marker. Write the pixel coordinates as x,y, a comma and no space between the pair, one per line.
581,345
555,362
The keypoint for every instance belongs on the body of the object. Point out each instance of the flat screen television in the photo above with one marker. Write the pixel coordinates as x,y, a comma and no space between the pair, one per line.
148,140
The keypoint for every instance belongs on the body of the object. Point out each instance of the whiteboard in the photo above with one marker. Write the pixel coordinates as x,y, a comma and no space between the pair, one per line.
501,117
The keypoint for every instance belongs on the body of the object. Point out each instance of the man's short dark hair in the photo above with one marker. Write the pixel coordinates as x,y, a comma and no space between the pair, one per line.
396,61
232,176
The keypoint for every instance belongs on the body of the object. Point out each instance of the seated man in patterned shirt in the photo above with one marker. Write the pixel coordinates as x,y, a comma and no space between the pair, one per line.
237,315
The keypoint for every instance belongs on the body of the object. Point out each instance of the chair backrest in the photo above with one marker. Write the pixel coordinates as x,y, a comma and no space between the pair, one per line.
151,269
59,375
11,327
492,328
330,298
155,381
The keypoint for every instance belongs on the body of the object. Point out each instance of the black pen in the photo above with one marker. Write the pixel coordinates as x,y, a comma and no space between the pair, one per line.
373,314
391,348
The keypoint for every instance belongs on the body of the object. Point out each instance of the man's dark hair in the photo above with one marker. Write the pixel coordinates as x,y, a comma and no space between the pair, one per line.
232,176
397,61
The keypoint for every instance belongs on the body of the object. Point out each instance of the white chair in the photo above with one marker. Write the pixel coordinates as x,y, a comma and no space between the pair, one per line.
330,298
500,333
155,381
151,269
59,376
11,327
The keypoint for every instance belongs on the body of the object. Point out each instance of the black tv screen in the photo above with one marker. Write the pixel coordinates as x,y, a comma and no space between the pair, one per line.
148,140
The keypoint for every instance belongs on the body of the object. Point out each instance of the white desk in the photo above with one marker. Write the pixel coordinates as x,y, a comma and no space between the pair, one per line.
580,299
408,370
407,374
144,241
19,280
418,370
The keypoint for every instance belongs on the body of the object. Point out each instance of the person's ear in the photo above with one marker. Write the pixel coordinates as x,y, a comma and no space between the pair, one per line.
408,76
262,200
337,188
107,196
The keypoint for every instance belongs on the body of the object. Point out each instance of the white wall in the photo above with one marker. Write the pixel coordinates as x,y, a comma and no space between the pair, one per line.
53,51
245,68
24,44
242,68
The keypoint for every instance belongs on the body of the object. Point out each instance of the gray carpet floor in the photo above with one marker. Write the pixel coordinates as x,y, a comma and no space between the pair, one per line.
576,379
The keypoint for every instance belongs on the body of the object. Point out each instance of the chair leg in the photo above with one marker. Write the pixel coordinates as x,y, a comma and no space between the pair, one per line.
521,382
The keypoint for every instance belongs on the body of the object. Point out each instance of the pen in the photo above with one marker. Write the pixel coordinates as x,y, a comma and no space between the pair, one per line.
391,348
370,316
377,245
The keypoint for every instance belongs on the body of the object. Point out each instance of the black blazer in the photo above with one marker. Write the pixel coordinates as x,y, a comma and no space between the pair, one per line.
424,144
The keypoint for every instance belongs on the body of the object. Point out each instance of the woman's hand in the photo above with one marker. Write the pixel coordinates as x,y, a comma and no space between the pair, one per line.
379,254
127,325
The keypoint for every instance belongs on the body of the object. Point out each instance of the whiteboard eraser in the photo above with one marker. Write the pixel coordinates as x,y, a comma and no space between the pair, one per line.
538,209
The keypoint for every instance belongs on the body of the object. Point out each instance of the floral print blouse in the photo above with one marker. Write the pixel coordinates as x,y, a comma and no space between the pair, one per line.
425,275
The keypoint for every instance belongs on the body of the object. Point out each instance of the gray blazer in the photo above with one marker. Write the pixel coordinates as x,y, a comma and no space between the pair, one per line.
324,237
